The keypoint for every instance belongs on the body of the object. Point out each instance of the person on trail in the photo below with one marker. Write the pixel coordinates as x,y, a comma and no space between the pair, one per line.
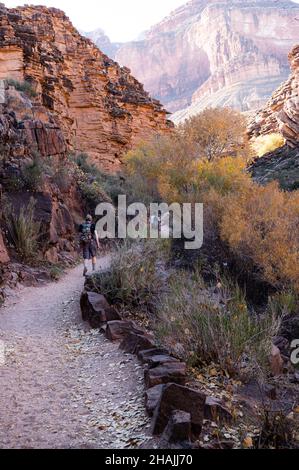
89,242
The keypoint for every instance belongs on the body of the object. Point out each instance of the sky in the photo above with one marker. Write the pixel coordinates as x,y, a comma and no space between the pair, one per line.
122,20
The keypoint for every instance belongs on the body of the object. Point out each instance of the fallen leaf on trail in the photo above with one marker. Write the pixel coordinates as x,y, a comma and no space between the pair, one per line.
248,442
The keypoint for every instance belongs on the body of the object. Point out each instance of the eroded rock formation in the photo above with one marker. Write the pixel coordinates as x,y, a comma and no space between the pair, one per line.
100,108
215,53
281,113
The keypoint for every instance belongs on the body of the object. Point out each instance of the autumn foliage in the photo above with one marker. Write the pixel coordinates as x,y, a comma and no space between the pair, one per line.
204,163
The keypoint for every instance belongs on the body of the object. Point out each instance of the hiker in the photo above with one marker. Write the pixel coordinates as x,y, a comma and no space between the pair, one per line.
89,242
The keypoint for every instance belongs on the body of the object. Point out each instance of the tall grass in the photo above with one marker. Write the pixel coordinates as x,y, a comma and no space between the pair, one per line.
135,276
23,230
214,328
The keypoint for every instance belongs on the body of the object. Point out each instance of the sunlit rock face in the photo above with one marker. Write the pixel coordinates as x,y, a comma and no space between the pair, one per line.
99,106
215,53
281,113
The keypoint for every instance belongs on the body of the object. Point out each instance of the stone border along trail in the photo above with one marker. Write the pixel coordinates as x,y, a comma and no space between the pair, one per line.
64,385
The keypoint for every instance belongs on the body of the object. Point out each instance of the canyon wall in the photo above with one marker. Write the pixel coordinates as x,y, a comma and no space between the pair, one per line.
215,53
99,106
281,113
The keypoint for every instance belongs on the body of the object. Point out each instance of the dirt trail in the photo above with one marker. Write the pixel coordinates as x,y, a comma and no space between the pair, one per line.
63,385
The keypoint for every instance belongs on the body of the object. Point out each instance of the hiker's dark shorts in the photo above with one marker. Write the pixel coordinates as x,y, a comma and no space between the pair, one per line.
89,250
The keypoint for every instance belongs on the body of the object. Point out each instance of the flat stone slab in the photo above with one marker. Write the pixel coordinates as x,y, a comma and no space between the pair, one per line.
174,372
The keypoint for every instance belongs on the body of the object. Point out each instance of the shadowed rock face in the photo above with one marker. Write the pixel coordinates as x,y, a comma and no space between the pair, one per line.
215,52
100,108
281,165
281,114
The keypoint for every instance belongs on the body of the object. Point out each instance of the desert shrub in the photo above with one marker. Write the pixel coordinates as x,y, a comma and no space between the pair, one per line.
207,330
268,143
168,163
23,230
112,184
135,277
258,225
261,228
32,174
56,272
92,193
277,431
283,304
216,132
22,86
62,177
206,178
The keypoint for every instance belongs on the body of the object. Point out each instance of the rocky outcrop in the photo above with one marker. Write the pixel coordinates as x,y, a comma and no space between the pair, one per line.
99,106
281,113
215,53
281,165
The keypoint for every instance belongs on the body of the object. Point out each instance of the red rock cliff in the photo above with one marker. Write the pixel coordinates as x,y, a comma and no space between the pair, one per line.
99,106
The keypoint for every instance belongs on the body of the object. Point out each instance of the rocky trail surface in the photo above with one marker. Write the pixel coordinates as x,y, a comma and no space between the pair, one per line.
63,385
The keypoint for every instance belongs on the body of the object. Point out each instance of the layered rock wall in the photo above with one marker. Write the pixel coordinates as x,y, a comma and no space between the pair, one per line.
99,106
215,53
281,114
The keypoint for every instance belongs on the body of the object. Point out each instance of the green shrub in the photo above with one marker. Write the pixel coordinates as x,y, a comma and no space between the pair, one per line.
111,185
62,178
92,193
56,272
24,87
32,175
23,230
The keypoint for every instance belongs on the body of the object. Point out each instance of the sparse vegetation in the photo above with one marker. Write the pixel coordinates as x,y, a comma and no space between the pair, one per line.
22,86
110,186
214,328
133,279
23,230
32,174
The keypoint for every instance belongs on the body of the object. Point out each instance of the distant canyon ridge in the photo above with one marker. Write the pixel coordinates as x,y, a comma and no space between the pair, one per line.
212,53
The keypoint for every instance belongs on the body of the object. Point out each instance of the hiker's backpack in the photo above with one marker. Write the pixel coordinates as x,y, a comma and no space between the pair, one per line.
86,235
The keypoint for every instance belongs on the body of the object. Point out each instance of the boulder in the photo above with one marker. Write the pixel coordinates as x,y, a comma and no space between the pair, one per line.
174,372
214,410
152,398
176,397
178,428
136,341
96,310
146,354
117,330
159,360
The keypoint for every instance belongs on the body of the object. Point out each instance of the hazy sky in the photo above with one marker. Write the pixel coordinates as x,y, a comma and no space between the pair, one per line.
122,20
